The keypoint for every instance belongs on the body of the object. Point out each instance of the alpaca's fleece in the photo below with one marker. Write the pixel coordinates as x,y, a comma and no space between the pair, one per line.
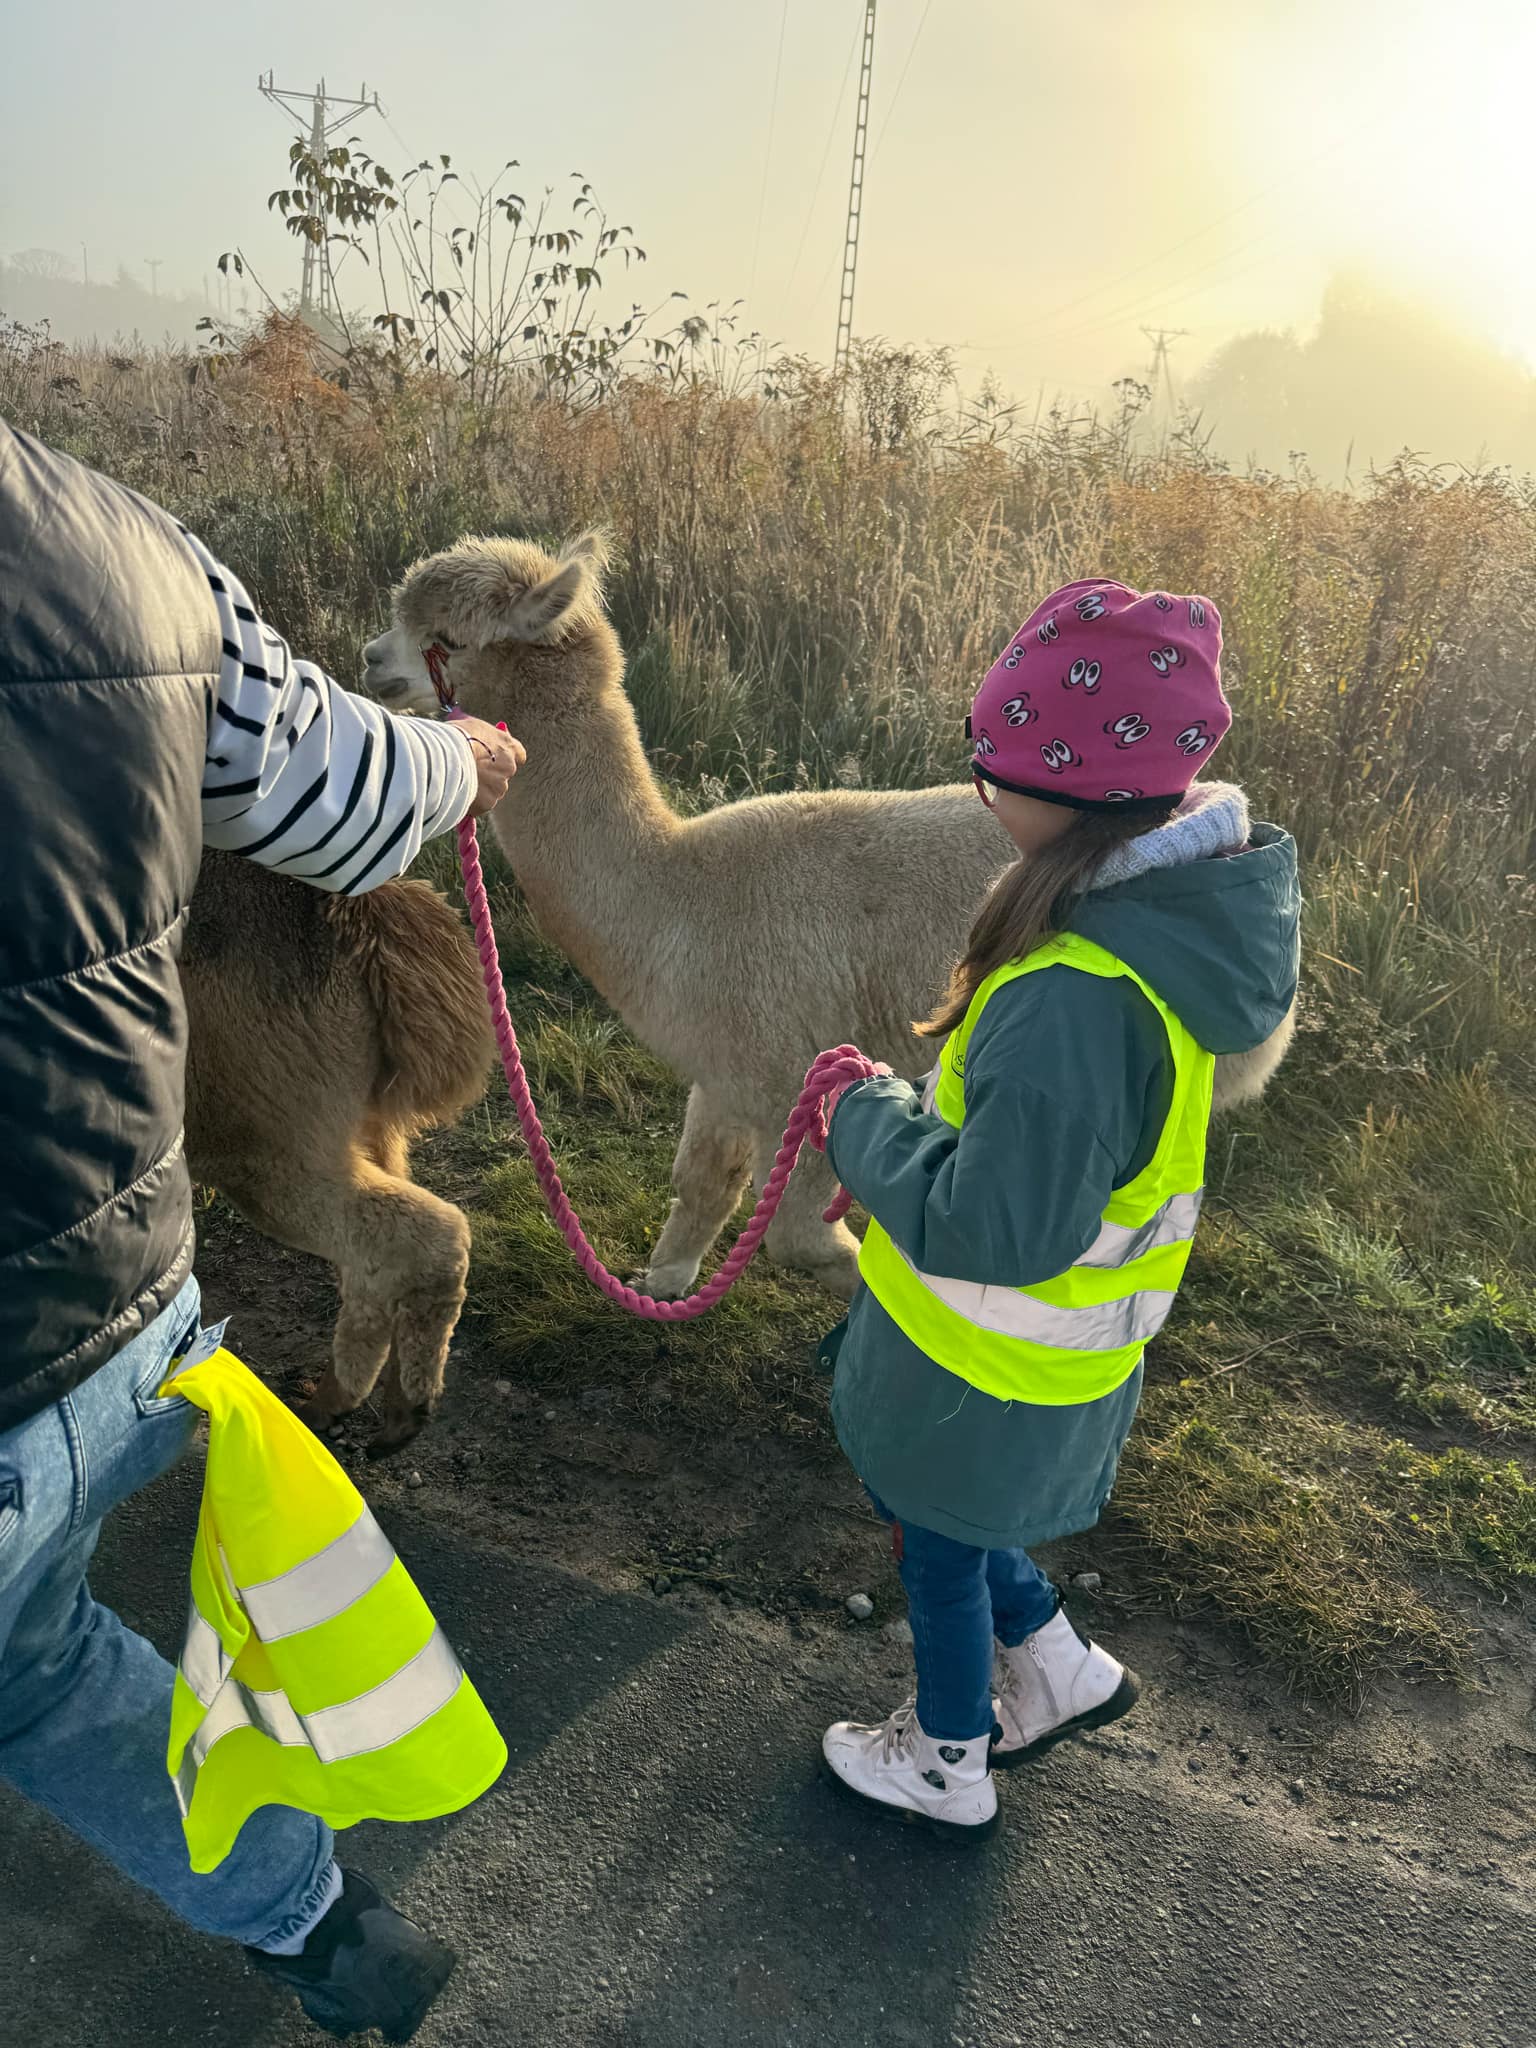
486,590
324,1033
736,944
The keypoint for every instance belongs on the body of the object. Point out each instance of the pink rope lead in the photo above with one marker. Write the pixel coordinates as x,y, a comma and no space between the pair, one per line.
845,1063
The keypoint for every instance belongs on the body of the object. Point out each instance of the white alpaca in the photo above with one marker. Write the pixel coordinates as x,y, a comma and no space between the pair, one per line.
736,945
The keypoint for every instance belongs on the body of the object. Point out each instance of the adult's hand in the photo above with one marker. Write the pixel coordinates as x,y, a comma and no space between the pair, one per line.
497,759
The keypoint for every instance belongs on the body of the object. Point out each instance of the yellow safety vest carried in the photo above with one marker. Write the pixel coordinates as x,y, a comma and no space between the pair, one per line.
313,1673
1081,1335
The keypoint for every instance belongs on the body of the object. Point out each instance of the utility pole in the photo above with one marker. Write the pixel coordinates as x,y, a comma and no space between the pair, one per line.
327,112
855,199
152,265
85,263
1162,339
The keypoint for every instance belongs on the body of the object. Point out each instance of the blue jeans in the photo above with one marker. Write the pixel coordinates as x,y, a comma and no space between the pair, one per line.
960,1598
85,1704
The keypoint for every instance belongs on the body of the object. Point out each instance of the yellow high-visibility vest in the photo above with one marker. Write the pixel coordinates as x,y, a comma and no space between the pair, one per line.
1080,1335
313,1674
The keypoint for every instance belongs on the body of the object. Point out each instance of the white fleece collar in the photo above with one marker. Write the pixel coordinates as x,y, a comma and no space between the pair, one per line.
1212,819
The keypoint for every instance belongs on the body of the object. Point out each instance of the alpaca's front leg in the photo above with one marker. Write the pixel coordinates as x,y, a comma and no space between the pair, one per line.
708,1175
798,1236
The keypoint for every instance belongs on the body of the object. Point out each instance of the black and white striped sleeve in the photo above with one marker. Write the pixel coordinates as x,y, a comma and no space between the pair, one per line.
305,777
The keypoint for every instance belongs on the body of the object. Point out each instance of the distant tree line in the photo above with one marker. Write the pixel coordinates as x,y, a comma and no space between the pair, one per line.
38,285
1378,374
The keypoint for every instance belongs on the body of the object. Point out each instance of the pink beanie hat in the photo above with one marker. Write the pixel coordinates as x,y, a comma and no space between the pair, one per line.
1103,698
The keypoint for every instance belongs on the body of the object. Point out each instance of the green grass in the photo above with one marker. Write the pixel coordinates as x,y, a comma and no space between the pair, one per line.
1338,1440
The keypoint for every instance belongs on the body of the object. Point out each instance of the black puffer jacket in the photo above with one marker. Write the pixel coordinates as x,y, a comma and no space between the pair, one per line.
109,655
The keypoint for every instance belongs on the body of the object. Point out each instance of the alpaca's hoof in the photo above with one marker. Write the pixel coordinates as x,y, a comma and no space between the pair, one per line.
318,1415
398,1431
667,1283
839,1276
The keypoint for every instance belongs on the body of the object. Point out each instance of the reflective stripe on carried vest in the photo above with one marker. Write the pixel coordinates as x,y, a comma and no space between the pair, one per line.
1079,1336
313,1674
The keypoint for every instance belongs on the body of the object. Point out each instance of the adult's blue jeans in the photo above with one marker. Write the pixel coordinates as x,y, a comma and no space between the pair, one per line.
959,1599
85,1704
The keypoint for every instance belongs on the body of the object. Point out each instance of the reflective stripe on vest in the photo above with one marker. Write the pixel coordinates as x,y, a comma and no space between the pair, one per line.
353,1728
323,1586
1118,1243
316,1591
1081,1335
313,1674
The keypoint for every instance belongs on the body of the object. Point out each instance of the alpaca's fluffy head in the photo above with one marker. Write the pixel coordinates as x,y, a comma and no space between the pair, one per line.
490,596
484,590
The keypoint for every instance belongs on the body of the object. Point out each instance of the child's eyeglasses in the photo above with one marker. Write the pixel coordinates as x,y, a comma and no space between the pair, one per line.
987,791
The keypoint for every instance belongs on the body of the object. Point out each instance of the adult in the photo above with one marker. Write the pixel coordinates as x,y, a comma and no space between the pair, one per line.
145,712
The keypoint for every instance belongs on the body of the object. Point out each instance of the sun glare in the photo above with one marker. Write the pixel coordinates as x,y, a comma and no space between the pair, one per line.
1408,154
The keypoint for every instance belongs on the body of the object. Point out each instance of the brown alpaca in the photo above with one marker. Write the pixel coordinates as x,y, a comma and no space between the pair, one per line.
326,1032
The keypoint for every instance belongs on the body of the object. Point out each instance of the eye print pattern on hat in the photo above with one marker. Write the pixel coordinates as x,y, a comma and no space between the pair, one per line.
1129,729
1087,652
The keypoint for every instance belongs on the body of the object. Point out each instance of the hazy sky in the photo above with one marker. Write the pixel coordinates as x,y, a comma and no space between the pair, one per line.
1044,178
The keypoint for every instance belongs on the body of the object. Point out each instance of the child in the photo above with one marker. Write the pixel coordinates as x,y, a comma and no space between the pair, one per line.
1032,1208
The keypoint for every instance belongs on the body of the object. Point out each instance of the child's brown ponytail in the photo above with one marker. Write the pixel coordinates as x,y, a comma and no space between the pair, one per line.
1033,901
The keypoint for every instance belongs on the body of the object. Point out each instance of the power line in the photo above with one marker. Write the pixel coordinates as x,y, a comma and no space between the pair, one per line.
826,158
922,23
448,190
398,136
317,298
855,198
1162,339
1164,293
857,181
1161,295
1125,276
1356,132
773,115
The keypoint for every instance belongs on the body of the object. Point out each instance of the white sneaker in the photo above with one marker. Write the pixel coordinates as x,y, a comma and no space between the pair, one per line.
1052,1685
945,1786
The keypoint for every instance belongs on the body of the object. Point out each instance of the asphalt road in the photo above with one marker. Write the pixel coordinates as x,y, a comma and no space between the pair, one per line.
663,1867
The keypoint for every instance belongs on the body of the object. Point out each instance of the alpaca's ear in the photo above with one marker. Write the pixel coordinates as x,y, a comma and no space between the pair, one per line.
538,613
592,548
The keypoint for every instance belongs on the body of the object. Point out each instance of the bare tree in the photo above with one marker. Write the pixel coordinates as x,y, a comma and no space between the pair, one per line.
45,263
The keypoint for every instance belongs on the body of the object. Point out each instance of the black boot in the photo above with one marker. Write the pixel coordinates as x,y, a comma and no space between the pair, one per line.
364,1965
